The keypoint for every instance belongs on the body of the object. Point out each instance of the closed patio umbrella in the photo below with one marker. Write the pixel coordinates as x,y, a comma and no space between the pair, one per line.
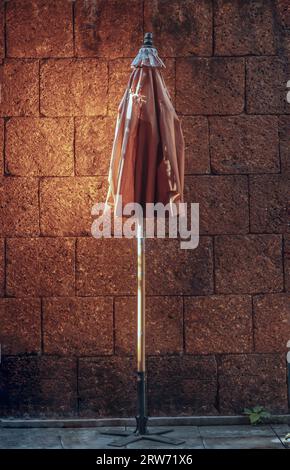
147,166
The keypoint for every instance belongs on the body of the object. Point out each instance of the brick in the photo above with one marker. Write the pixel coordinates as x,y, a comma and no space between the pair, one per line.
249,379
248,264
38,386
282,24
40,267
266,85
119,75
223,202
244,144
78,326
101,28
19,211
180,27
93,145
284,136
181,385
37,28
73,87
20,84
195,131
218,324
2,46
106,266
169,75
175,271
243,28
164,325
107,386
2,266
271,322
66,204
210,86
269,203
287,261
39,147
20,326
1,147
283,9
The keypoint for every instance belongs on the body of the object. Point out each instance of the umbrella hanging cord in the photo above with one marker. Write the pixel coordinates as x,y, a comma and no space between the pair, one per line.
141,357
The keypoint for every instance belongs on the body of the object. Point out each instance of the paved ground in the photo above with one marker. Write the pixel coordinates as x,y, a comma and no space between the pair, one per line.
196,437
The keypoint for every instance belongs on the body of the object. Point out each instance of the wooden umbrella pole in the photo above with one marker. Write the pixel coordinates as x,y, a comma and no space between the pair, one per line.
141,352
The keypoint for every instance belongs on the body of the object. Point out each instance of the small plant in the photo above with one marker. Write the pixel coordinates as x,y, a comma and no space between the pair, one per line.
257,414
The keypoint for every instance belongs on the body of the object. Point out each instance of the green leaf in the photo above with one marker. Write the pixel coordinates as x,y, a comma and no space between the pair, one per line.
247,411
255,418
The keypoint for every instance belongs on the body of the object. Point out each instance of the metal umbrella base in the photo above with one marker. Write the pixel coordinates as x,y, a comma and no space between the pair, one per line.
128,437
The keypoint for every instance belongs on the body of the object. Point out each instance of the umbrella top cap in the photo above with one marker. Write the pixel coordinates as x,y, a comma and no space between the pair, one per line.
148,40
147,55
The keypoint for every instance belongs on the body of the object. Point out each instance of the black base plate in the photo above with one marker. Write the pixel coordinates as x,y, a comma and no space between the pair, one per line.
128,437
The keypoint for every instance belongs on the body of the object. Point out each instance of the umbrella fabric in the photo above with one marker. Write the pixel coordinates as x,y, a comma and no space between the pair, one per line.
147,161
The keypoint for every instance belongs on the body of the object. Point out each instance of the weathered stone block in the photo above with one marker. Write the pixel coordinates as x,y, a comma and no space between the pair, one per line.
218,324
19,90
1,147
195,131
223,202
19,211
73,87
78,326
2,41
20,326
66,204
269,203
248,264
243,28
180,27
210,86
37,28
40,267
93,145
171,270
108,29
245,380
38,386
184,385
266,85
244,144
106,386
106,266
271,322
39,147
287,261
2,266
284,135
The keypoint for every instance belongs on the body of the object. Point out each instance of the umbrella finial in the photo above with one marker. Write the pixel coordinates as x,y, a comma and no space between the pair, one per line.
148,54
148,40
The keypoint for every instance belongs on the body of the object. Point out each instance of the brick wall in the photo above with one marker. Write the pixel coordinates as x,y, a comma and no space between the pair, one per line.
218,315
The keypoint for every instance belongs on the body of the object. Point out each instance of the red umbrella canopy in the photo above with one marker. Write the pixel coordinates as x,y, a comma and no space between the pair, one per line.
147,161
